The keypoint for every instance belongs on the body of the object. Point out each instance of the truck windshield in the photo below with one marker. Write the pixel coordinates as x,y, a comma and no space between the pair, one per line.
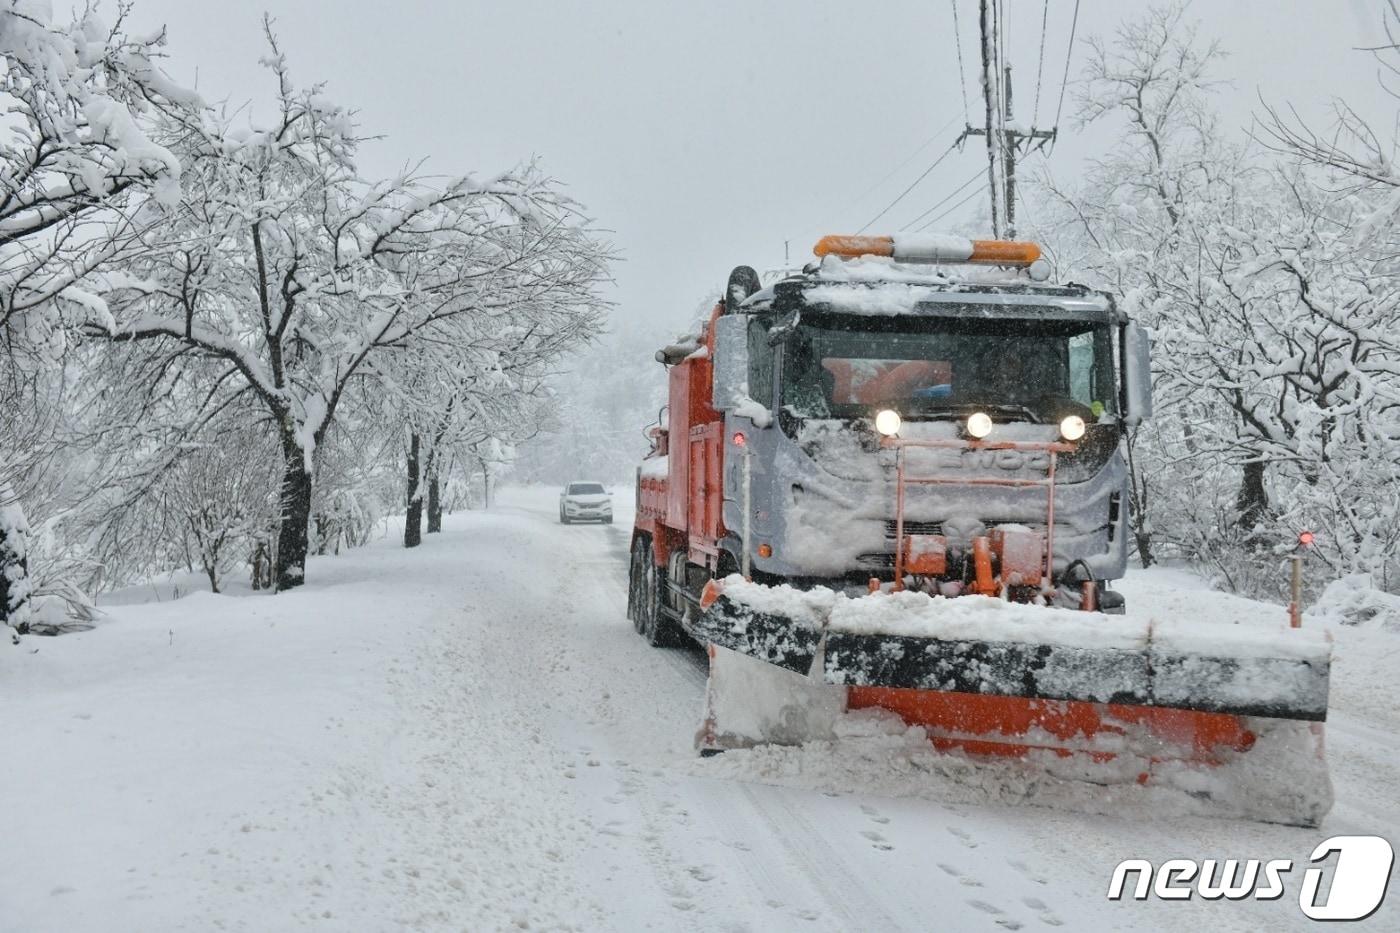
1027,369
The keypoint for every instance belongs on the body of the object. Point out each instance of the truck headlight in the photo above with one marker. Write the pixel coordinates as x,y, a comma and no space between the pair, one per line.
979,424
887,422
1072,428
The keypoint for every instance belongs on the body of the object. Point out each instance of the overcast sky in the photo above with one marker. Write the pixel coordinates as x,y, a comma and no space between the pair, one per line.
705,134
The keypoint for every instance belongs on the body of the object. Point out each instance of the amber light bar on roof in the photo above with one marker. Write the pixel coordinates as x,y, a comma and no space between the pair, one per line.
936,248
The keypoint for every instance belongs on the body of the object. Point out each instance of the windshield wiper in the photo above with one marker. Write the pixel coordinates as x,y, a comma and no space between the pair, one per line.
1022,409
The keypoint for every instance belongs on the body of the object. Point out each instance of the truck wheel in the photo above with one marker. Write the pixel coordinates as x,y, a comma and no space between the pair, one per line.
635,572
659,631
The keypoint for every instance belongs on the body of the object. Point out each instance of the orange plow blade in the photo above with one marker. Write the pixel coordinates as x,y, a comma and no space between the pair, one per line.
1014,727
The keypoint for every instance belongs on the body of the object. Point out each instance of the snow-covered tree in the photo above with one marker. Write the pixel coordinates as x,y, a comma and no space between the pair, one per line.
77,171
293,276
1273,362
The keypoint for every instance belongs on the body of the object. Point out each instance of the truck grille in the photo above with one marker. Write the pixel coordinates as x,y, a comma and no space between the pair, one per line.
936,528
913,528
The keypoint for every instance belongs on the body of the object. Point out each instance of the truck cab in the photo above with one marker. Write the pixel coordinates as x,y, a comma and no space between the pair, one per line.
840,419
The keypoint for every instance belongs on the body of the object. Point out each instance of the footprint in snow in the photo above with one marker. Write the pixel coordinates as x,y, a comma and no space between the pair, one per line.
962,879
1025,869
877,840
700,873
873,813
963,836
1002,920
1047,916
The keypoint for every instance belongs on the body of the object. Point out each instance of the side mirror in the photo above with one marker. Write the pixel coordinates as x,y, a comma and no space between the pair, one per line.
731,360
1137,375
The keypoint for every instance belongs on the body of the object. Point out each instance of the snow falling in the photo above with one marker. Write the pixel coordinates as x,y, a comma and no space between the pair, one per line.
295,630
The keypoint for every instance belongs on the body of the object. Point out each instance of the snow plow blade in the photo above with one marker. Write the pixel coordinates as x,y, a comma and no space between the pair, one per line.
981,645
1225,720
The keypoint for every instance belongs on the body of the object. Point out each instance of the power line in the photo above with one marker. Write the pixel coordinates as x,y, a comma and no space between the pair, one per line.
1064,82
911,187
962,72
1040,65
898,168
952,194
976,192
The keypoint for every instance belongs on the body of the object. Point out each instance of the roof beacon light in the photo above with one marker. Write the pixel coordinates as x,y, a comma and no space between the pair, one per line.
931,248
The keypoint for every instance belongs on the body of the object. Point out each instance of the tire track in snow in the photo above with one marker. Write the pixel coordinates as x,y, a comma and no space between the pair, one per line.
788,865
780,857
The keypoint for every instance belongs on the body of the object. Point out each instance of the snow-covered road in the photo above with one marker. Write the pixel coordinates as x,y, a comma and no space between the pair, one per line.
471,736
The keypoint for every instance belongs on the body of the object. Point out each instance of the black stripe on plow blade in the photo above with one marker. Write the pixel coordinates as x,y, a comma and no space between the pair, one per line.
1272,687
775,639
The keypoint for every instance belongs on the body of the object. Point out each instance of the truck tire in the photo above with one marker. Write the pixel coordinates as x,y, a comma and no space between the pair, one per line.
634,583
656,628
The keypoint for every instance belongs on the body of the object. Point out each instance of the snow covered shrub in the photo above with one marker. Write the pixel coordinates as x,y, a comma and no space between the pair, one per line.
15,584
1355,600
219,496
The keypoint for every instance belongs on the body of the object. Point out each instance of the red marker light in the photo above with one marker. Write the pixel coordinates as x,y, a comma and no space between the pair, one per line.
1305,539
739,439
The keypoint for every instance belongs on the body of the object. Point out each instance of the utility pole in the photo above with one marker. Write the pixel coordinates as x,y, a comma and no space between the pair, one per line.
988,95
1003,142
1008,140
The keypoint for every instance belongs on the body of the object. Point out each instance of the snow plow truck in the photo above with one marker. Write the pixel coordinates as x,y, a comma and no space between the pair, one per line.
899,479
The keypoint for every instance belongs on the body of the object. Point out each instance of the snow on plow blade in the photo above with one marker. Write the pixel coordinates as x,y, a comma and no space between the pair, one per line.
982,645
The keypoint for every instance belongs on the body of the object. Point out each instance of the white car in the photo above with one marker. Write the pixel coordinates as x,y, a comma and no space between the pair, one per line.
585,502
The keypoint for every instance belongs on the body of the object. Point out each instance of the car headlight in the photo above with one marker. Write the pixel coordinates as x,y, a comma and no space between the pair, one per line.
979,424
887,422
